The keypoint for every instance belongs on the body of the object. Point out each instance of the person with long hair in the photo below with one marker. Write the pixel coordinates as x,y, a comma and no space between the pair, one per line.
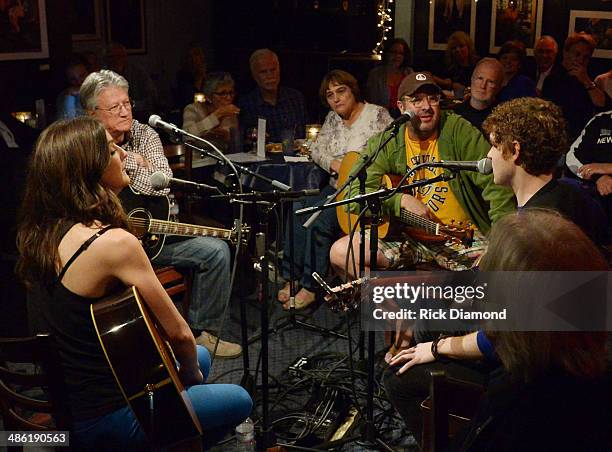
459,62
75,250
523,409
384,80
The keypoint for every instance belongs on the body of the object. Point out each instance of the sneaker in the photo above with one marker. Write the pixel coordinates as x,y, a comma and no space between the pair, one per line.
224,349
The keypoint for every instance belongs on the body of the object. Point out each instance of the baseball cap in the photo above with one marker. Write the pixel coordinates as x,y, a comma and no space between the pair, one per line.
413,81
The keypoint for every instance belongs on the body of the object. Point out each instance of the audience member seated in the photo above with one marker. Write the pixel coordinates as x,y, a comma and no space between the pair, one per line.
460,59
142,89
604,82
542,363
590,157
92,61
384,80
545,56
347,127
282,107
75,249
67,104
487,80
572,88
511,56
191,77
217,117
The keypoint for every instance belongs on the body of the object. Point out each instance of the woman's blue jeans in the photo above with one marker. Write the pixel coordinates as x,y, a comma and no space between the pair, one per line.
219,407
312,245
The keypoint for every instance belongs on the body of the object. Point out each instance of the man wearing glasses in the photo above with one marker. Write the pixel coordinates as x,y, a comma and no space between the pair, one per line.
431,135
104,95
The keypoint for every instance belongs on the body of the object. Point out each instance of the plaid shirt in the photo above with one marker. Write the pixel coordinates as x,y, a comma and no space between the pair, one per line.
143,140
288,113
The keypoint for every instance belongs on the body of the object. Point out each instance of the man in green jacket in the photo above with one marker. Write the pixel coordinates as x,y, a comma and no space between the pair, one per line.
431,135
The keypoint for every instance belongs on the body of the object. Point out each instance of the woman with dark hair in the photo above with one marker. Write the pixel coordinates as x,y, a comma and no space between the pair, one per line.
347,127
512,57
384,80
552,381
75,250
459,62
217,116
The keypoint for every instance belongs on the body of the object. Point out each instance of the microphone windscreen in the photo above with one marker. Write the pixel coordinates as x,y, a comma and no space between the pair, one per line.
153,120
485,166
159,180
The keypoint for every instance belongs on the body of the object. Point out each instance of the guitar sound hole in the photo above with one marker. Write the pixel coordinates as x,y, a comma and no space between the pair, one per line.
139,223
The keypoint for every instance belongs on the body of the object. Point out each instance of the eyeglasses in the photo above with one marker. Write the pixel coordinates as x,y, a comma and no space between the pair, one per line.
116,109
224,93
419,101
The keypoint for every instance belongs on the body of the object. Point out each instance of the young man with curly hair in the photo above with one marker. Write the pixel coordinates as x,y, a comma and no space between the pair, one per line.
528,138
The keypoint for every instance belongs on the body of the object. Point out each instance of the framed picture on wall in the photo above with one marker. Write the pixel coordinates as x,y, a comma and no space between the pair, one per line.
126,24
515,20
87,21
596,23
23,30
448,16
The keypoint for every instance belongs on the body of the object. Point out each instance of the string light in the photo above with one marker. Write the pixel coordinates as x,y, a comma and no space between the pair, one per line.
385,22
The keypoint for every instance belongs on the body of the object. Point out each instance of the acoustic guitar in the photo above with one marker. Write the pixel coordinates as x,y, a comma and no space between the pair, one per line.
420,228
143,363
148,219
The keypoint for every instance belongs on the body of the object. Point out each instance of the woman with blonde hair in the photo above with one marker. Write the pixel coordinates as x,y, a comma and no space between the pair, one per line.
460,60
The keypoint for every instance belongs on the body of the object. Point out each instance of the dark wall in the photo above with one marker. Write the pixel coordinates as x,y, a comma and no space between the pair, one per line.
23,81
555,22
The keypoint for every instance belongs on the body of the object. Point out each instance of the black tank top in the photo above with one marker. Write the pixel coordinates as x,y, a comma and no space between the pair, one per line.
92,389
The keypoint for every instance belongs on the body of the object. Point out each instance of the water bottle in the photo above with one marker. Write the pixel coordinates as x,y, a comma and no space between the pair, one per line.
245,436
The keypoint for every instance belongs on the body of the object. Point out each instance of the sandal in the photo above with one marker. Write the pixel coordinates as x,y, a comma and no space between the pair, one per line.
284,293
303,299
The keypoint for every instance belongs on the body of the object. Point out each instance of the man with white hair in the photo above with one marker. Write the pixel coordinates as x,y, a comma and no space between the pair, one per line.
104,96
487,80
282,107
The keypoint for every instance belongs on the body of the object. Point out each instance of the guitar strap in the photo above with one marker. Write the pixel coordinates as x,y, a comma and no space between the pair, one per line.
82,248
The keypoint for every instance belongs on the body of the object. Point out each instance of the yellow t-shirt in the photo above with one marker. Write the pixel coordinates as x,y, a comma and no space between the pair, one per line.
437,197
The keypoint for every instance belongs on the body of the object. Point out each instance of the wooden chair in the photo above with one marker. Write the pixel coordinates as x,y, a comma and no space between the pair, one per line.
33,394
448,409
180,159
177,283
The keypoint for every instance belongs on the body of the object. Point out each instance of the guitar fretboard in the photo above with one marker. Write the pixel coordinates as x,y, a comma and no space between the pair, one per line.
184,229
413,219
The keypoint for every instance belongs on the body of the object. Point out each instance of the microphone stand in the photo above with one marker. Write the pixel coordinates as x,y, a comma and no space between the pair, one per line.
373,200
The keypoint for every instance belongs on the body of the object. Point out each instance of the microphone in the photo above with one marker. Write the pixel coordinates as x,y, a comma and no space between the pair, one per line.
404,117
156,122
483,166
159,181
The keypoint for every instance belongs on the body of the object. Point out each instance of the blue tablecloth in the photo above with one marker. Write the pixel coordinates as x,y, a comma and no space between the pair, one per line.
299,176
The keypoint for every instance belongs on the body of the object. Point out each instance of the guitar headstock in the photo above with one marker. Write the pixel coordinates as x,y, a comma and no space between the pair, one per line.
244,237
345,297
